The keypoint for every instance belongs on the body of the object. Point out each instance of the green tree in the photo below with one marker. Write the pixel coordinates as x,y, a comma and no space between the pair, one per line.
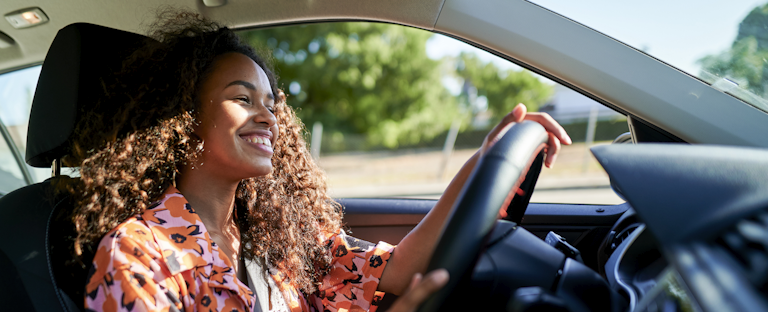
503,88
746,61
365,78
376,79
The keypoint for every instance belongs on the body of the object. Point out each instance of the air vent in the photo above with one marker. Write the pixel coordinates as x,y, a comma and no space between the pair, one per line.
747,243
617,238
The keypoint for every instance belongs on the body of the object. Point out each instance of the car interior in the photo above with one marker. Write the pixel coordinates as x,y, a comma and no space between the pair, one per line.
692,235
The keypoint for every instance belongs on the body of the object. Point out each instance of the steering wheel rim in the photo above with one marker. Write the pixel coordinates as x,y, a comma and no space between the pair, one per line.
473,215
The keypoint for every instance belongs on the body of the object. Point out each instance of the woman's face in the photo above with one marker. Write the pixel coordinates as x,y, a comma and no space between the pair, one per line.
237,123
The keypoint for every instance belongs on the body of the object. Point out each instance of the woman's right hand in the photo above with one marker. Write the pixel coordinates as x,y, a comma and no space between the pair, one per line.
419,289
557,134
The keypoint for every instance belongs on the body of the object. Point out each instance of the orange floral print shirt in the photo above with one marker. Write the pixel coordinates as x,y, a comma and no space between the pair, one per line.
164,260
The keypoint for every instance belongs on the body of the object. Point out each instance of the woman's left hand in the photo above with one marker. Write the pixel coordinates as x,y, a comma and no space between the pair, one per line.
419,290
556,132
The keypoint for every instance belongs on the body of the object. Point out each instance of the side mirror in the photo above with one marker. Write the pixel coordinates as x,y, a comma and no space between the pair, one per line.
624,138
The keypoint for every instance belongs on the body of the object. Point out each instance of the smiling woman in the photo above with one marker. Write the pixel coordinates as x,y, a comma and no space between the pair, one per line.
237,121
200,128
196,207
193,208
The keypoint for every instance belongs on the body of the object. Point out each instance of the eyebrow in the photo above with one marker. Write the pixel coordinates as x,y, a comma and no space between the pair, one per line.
249,86
242,83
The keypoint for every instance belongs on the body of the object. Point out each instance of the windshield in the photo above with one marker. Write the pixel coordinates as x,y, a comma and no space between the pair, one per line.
724,43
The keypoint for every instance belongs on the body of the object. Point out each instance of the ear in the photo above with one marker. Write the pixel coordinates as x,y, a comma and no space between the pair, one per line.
196,142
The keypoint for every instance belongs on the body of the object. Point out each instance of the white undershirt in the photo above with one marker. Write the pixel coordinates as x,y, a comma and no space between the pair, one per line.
264,288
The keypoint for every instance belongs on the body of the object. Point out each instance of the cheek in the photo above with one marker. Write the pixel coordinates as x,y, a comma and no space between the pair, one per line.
276,130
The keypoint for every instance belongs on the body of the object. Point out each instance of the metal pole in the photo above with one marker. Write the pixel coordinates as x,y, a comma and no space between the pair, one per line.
450,140
317,140
591,125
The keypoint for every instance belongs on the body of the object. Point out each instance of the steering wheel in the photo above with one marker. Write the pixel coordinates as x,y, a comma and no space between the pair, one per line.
491,186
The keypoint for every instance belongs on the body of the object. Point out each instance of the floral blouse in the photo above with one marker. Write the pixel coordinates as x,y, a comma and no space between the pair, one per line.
164,260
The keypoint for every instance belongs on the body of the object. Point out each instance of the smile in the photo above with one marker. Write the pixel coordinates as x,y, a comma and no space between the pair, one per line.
258,140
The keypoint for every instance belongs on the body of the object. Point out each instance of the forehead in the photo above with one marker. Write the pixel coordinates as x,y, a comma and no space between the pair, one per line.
233,66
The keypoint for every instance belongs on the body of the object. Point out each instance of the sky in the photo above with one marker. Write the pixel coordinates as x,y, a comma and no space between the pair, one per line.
679,32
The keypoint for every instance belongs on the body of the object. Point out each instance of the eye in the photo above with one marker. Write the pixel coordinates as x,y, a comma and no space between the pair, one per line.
244,99
271,109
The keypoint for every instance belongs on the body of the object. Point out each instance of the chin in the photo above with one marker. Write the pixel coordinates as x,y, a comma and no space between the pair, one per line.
260,172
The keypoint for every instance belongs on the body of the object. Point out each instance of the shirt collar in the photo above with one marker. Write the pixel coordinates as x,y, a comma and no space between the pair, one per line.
186,244
179,232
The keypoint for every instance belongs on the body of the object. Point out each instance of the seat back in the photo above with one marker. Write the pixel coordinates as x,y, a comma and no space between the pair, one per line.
36,226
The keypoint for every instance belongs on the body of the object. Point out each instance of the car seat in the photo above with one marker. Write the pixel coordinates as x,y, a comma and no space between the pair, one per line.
35,221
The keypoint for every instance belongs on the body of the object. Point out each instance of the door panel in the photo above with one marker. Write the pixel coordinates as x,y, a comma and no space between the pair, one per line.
389,220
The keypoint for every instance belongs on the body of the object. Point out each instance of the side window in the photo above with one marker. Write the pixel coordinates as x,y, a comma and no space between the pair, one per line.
17,89
11,176
394,111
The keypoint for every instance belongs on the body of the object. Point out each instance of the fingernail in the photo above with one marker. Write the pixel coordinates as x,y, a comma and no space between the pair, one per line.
440,276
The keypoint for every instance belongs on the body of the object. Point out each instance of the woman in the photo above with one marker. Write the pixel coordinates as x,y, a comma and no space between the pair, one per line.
201,115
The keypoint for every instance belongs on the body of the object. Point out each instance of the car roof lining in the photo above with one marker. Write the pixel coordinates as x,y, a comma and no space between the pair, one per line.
32,43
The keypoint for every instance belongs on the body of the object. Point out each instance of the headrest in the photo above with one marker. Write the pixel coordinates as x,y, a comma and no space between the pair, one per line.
71,82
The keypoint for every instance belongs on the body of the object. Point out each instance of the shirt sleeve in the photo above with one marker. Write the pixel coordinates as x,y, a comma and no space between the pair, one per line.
127,276
353,279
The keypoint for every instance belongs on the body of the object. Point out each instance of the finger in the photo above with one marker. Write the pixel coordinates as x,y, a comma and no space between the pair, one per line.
553,149
414,281
519,112
500,129
551,126
516,115
429,284
418,293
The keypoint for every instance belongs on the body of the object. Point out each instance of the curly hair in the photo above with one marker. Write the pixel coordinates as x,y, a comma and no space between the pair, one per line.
129,156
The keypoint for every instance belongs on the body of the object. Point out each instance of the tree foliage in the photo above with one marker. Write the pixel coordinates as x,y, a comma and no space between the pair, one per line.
366,78
376,80
746,62
503,88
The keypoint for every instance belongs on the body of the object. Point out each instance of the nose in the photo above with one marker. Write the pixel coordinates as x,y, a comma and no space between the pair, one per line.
263,115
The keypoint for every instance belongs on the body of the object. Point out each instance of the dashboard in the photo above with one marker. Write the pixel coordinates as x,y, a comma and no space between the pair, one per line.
696,238
639,271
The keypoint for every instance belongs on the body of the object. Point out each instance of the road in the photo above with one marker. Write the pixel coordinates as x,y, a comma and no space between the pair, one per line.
575,178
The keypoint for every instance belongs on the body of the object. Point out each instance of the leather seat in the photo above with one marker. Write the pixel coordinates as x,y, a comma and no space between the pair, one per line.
35,223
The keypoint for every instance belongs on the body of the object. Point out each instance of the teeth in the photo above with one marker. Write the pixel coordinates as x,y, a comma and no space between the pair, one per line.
259,140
